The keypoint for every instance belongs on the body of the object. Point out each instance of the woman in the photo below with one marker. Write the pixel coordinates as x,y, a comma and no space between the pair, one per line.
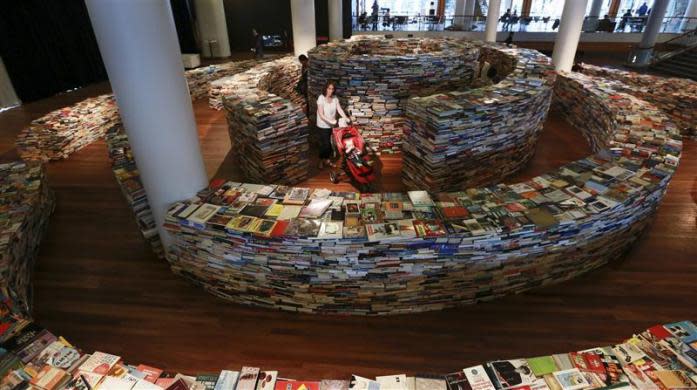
327,108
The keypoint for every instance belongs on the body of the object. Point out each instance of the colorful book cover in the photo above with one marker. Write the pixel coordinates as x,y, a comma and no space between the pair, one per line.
267,380
542,365
151,373
478,379
248,378
571,379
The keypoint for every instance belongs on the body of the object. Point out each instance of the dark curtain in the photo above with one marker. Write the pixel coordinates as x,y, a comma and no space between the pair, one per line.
268,17
322,21
48,47
183,12
348,22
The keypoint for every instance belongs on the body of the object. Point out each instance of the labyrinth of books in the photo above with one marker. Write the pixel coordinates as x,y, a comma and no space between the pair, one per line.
458,236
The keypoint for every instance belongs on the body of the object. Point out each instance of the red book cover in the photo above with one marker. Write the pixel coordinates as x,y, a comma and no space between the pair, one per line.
455,212
296,385
659,332
216,183
179,384
594,363
279,228
151,373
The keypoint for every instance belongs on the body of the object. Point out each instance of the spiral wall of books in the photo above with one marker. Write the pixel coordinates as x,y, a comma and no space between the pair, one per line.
375,76
286,248
374,254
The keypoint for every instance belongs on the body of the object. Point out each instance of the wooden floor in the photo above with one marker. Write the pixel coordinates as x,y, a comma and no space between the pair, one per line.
97,283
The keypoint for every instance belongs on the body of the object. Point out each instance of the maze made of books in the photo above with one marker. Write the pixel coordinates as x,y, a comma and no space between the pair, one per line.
267,123
62,132
661,357
375,77
320,251
460,139
26,202
675,96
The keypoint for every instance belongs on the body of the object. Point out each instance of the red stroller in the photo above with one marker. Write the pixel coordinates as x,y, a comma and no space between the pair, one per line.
357,161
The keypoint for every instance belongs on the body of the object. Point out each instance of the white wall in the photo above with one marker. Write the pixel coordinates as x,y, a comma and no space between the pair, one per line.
8,97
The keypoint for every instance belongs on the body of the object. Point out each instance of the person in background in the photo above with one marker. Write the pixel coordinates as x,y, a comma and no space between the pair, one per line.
625,19
374,15
327,108
509,39
258,44
386,19
605,24
556,23
506,19
301,87
643,10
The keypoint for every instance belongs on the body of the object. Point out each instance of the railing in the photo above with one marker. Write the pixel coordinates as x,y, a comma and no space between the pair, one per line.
532,23
686,41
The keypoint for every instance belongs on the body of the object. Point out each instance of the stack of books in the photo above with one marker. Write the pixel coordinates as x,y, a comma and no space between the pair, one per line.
199,79
343,252
375,76
661,357
268,129
460,139
126,173
279,77
27,203
677,97
58,134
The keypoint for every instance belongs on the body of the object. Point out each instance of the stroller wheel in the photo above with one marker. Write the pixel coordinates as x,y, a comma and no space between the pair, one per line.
333,177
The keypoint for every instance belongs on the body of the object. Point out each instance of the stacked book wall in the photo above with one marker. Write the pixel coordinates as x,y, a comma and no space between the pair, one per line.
375,76
27,203
62,132
322,251
661,357
126,173
677,97
199,79
461,139
267,122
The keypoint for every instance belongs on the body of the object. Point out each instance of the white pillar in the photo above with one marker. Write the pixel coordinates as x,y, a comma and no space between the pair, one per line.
569,33
690,12
459,20
653,25
212,25
469,12
591,23
139,46
492,20
336,20
642,55
303,19
8,96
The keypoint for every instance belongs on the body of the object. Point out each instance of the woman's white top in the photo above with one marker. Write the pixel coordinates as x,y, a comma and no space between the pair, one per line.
329,111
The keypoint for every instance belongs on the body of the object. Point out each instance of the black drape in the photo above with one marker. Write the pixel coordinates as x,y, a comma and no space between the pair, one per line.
183,12
267,16
348,20
48,47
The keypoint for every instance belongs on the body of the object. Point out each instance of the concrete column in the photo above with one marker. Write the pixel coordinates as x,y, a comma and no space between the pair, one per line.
492,20
459,20
212,25
8,96
569,33
642,56
336,22
690,12
469,12
591,23
303,19
139,46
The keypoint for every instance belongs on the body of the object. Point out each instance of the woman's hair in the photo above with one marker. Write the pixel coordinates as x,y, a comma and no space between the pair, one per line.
326,85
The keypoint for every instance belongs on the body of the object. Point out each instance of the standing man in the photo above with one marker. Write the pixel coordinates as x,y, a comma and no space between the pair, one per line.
258,44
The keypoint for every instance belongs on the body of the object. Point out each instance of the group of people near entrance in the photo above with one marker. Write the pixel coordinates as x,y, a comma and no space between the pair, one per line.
328,107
